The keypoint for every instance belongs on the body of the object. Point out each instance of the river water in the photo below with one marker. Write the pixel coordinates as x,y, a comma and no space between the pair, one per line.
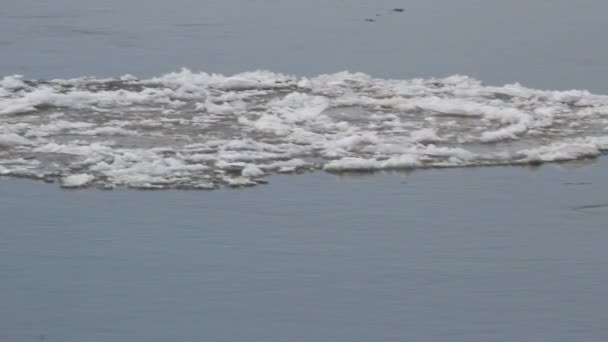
505,253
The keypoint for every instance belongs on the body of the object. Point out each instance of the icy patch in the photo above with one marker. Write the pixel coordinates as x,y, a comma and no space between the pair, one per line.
76,181
11,139
12,82
360,164
427,135
352,164
252,171
202,131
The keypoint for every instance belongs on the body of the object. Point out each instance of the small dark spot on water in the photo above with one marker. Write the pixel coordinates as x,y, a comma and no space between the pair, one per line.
591,206
370,20
577,183
398,10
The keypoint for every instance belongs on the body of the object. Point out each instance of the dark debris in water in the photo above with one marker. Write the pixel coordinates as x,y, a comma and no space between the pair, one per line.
394,10
591,206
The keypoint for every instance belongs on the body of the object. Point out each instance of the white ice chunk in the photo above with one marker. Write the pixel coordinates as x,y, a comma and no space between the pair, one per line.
76,181
252,171
11,139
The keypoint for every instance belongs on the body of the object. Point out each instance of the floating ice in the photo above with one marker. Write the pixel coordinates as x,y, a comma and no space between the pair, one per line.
198,130
76,181
252,171
12,139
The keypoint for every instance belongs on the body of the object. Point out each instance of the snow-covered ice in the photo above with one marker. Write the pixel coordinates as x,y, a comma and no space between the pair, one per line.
75,181
198,130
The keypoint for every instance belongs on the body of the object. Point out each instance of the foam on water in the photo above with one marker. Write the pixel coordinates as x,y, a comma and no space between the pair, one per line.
199,130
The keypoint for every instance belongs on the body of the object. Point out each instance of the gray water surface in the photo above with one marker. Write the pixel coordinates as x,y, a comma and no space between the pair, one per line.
542,44
487,254
473,254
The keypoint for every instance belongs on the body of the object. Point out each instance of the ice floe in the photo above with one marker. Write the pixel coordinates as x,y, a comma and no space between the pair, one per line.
201,131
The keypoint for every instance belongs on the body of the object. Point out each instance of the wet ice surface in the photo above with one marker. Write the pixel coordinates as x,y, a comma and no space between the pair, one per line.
199,130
